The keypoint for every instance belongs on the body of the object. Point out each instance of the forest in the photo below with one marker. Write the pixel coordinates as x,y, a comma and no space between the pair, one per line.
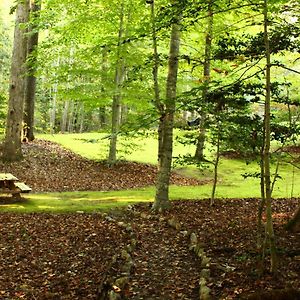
219,77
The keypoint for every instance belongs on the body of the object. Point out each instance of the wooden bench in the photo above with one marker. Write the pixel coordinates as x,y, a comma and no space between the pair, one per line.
9,184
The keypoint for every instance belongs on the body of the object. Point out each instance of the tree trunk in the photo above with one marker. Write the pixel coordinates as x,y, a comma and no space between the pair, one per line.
199,154
216,165
72,116
294,224
102,116
53,95
157,101
64,118
116,105
270,238
12,145
81,117
163,178
32,43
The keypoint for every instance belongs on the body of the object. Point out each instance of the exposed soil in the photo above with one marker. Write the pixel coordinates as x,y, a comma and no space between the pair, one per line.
67,256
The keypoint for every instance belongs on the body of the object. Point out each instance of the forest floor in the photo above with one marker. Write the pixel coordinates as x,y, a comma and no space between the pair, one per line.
67,256
47,167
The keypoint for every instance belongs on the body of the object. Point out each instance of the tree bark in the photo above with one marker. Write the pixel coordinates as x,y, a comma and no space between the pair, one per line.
32,42
270,238
199,154
162,201
116,105
294,224
12,145
53,94
64,117
216,164
157,101
81,117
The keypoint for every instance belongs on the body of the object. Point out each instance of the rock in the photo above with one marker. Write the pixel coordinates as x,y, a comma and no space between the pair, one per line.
174,223
204,293
199,251
128,228
127,267
130,207
133,243
184,233
205,261
122,224
144,215
122,282
162,219
193,241
205,273
109,219
112,295
125,255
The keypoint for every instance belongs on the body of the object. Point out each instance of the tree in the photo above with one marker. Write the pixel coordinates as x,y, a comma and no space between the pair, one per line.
294,224
116,105
199,154
12,144
157,100
164,169
30,86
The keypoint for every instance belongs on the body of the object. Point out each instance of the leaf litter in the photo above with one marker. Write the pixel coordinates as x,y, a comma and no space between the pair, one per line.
65,256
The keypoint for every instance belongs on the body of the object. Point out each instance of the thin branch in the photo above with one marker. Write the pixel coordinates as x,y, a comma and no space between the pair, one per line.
285,67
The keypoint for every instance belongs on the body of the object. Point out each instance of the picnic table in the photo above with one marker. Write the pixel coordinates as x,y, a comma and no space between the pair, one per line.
9,184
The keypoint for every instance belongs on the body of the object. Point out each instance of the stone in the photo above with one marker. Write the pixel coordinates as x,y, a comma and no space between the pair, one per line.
174,223
122,224
144,215
193,241
205,261
184,232
125,255
122,282
128,228
162,219
112,295
204,293
205,273
109,219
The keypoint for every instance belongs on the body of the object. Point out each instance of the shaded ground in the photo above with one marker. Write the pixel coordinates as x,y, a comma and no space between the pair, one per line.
66,256
47,256
49,167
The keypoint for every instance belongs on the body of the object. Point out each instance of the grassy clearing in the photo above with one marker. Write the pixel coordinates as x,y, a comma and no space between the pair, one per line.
231,183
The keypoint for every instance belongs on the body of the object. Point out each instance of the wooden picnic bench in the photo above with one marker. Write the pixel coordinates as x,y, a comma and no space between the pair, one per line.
9,184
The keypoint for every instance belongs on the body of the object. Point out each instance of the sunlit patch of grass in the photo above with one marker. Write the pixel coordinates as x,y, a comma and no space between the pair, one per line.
231,183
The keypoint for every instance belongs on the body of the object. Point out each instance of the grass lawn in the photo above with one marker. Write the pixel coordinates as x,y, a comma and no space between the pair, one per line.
231,183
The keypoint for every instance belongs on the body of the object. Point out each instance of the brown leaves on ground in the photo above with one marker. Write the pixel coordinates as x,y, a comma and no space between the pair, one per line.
65,256
44,256
47,167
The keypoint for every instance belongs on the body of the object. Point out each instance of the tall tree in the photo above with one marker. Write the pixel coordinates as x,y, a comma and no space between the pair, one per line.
157,100
30,87
199,154
12,144
270,238
162,201
116,105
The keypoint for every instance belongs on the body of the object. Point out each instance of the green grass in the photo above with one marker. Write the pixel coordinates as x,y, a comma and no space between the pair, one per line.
137,149
231,183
